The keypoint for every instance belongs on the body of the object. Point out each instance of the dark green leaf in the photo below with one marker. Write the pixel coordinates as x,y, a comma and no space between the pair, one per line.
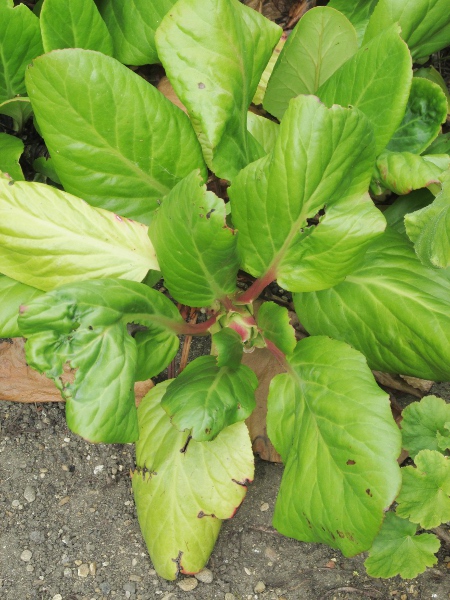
84,326
206,398
228,344
19,109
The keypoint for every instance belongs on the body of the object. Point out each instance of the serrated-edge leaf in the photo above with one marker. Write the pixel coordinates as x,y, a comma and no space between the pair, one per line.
421,423
182,497
49,238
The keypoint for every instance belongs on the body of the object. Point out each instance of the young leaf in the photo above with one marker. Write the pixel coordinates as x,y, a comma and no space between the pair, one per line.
206,398
433,75
422,422
263,130
11,149
425,24
74,25
395,214
273,322
121,147
429,229
339,444
322,158
19,109
228,344
425,494
132,25
425,112
214,52
320,43
183,489
402,172
48,238
195,248
389,309
377,80
397,550
84,325
20,42
13,295
357,12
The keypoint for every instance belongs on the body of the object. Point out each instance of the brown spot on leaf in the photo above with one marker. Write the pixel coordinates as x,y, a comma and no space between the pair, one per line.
118,218
369,493
351,462
201,514
340,533
201,86
208,214
185,447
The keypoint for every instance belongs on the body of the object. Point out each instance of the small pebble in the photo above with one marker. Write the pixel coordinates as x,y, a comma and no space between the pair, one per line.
57,597
134,561
264,507
63,501
26,555
15,504
136,578
259,587
229,596
67,572
93,568
83,570
29,568
270,554
248,572
205,576
98,469
130,587
188,584
29,494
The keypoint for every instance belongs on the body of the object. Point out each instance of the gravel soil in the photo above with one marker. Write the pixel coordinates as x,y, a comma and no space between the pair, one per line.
69,531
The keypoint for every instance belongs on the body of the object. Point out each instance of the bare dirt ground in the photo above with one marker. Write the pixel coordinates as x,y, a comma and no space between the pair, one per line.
69,530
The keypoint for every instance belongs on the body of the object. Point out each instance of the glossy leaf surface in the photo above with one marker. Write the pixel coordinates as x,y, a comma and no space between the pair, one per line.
49,237
206,398
334,430
377,80
20,42
425,493
273,322
214,52
263,130
425,24
319,44
74,25
397,550
429,229
425,112
322,158
423,422
84,326
195,248
132,25
402,172
392,308
11,149
13,295
129,167
182,492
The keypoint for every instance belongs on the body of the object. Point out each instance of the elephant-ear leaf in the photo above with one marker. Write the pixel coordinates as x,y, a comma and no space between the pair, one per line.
121,147
84,326
215,65
183,489
206,398
336,492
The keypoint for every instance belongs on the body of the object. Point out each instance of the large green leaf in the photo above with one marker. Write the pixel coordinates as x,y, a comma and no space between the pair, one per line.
334,429
425,493
425,24
11,149
184,490
214,52
320,43
13,294
377,80
425,112
196,250
402,172
20,42
357,12
84,326
122,147
48,238
132,25
322,159
206,398
423,423
74,25
397,550
392,308
429,229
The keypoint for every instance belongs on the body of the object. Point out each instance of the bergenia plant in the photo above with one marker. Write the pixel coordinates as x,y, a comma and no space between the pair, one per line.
125,198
